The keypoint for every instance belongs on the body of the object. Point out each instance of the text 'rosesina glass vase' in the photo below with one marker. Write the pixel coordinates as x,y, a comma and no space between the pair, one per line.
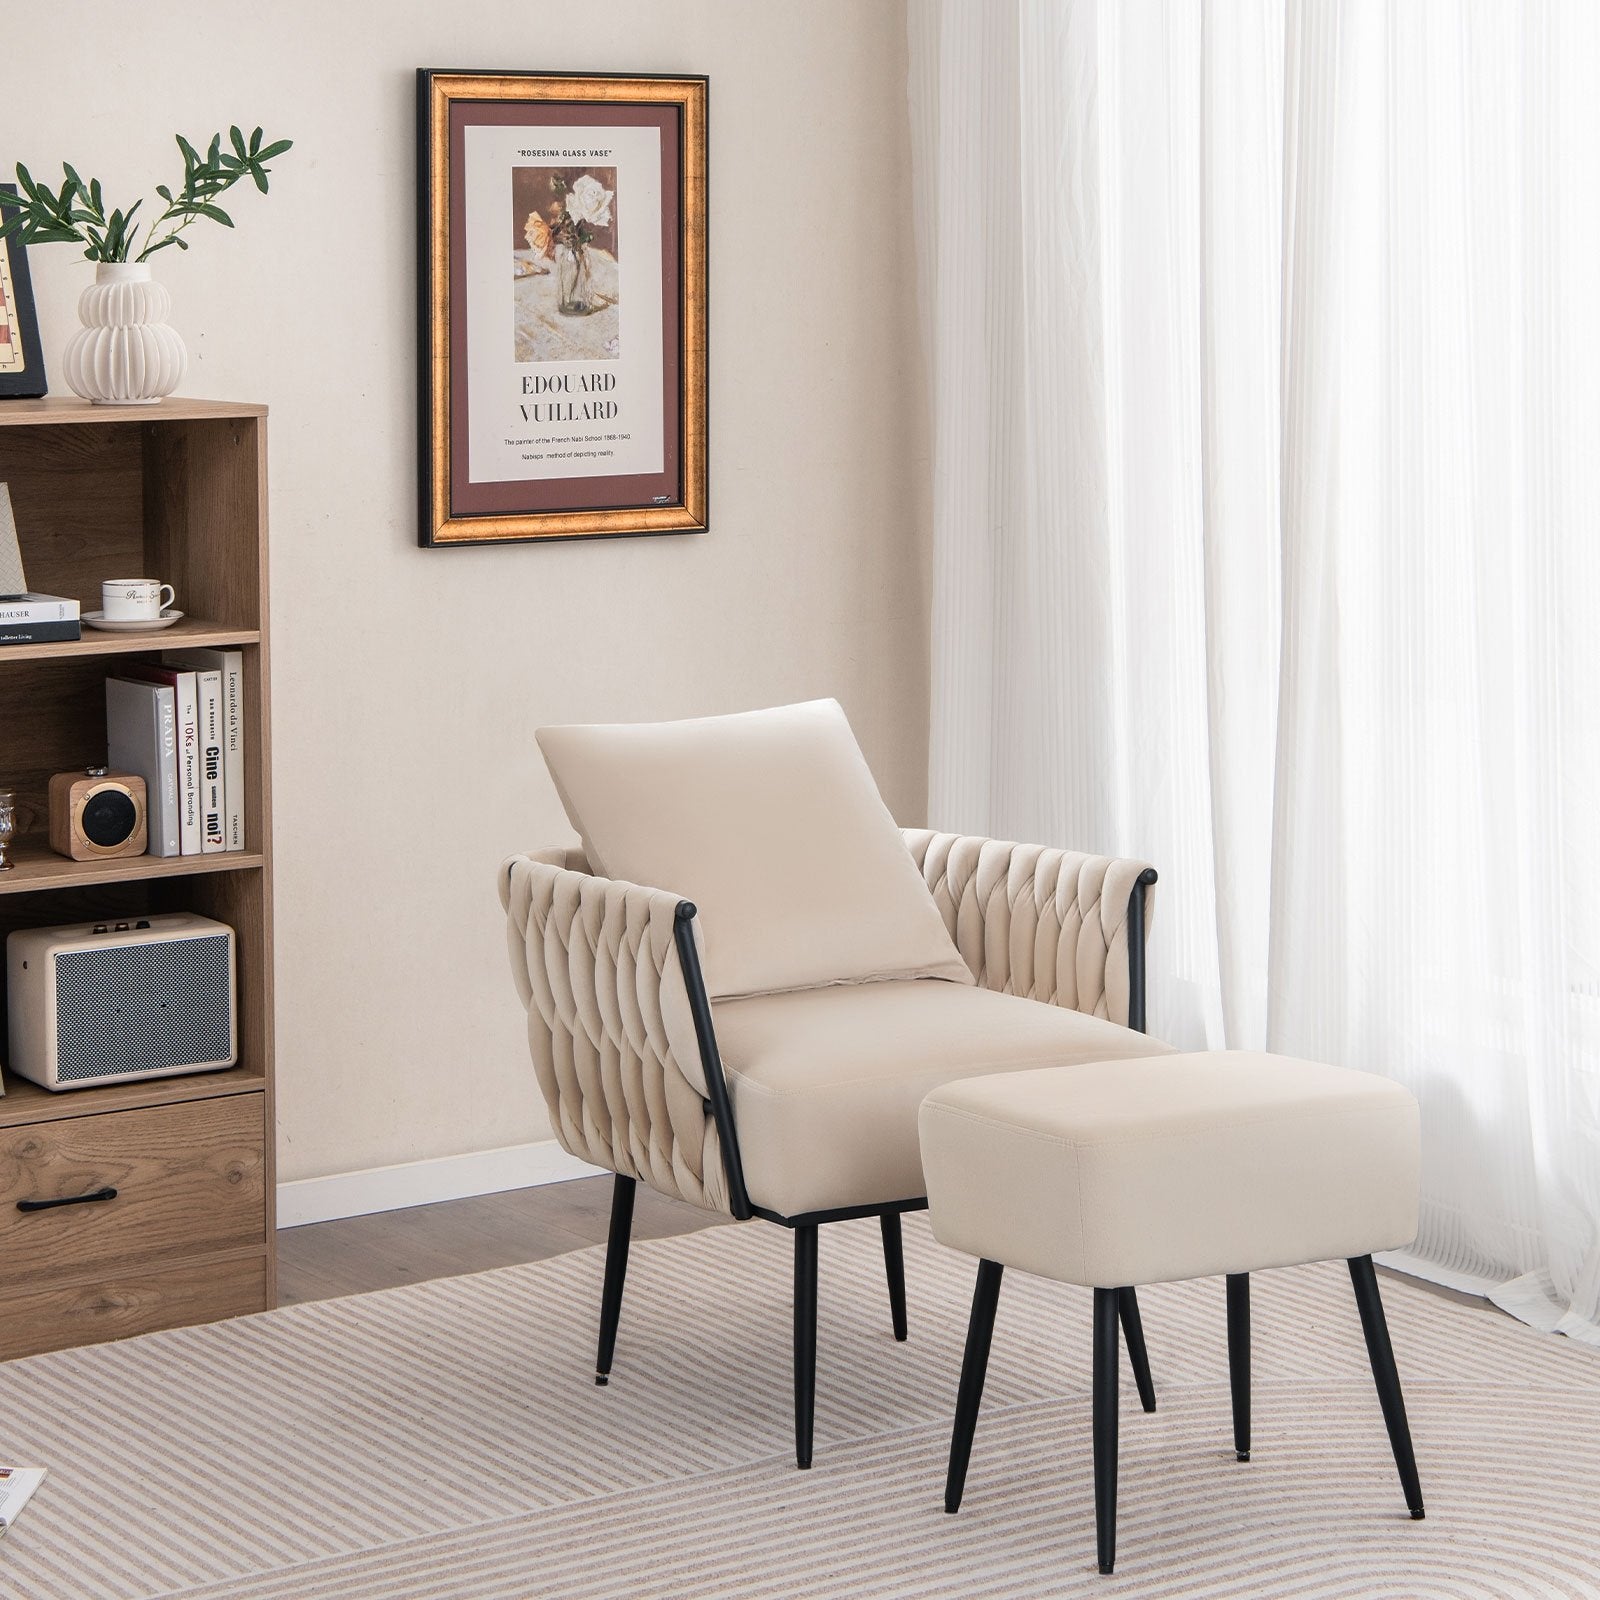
125,354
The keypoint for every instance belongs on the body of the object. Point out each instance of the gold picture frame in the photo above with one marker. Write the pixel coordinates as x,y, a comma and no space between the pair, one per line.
562,306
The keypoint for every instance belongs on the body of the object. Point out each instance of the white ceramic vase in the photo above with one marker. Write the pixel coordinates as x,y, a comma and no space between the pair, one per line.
125,354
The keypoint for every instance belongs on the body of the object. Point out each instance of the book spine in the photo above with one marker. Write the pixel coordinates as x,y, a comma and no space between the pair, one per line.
233,746
39,632
188,712
167,743
38,611
213,806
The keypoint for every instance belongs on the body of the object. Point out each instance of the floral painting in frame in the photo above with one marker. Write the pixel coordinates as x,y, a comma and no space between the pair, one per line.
21,362
562,324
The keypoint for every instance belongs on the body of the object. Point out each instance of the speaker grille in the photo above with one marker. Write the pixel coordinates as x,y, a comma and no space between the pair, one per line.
142,1007
109,818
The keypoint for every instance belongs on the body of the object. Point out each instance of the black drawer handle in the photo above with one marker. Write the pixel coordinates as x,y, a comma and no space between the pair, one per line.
71,1200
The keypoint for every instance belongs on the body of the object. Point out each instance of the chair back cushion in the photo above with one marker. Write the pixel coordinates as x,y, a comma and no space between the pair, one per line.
769,821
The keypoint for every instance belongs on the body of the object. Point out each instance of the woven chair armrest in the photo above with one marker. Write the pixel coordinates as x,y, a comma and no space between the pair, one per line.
1046,924
610,1027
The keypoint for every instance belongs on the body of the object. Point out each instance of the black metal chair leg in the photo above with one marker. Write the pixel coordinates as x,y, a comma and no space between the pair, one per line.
1381,1353
1133,1337
622,1192
1106,1388
974,1364
1239,1360
894,1264
805,1339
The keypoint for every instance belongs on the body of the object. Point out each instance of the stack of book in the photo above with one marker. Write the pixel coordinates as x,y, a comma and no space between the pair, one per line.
38,619
180,726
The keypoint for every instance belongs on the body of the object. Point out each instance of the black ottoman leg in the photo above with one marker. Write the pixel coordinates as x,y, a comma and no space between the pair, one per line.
1239,1360
1133,1337
974,1364
1381,1353
1105,1425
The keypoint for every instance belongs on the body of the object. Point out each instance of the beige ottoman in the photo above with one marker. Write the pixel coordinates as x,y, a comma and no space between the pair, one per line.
1123,1173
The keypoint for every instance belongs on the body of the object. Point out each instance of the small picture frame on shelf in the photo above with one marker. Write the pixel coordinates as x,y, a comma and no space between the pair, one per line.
21,360
13,580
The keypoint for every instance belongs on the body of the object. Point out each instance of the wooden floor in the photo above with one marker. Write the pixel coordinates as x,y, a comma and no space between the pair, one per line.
390,1248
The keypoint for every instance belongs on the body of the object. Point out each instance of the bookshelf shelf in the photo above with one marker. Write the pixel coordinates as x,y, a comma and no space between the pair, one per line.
39,867
177,491
62,411
26,1103
180,636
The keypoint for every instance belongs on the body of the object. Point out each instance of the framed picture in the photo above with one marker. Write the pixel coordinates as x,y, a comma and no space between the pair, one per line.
21,363
562,318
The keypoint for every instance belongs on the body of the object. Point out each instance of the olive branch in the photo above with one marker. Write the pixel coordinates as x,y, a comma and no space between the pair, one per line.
77,214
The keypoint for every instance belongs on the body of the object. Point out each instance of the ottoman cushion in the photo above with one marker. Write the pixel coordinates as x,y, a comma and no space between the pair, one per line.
1173,1166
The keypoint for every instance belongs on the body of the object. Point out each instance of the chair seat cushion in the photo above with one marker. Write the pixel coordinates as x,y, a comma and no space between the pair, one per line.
1178,1166
825,1083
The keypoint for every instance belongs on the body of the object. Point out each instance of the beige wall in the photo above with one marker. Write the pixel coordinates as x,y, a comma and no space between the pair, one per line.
408,682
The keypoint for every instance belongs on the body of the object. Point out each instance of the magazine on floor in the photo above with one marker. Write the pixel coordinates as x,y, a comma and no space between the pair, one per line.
16,1490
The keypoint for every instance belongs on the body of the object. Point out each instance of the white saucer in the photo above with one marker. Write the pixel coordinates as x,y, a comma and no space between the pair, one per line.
98,619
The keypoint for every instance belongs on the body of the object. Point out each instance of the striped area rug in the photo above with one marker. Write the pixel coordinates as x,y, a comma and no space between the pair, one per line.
452,1445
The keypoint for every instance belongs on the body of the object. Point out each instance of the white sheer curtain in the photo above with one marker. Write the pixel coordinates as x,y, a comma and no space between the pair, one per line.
1264,344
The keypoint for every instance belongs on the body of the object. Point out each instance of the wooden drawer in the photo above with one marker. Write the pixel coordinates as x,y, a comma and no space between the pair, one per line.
190,1181
55,1318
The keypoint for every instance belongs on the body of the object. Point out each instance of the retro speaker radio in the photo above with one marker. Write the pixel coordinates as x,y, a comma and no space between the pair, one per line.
96,814
107,1002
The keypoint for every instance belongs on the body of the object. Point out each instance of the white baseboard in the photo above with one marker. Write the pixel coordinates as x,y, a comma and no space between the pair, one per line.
421,1183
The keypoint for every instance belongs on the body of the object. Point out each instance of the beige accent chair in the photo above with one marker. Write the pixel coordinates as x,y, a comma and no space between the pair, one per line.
920,957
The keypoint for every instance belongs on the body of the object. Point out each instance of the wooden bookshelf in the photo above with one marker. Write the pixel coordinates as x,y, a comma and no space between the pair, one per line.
176,491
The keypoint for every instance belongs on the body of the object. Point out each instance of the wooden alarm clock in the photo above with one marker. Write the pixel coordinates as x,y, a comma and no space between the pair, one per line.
97,814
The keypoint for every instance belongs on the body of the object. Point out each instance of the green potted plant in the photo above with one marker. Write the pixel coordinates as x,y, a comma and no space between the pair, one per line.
125,353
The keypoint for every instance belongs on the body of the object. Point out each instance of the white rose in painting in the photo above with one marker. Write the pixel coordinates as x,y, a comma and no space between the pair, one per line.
589,201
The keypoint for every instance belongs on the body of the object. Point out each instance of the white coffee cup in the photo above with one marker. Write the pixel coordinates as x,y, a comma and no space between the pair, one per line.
135,599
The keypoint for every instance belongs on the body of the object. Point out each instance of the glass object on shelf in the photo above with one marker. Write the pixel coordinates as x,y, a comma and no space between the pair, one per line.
8,827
